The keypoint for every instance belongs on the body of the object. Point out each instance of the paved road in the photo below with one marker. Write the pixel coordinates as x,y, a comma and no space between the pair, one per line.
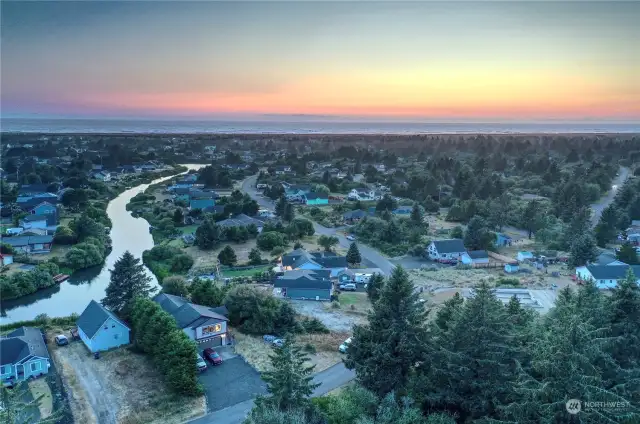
371,257
329,379
598,207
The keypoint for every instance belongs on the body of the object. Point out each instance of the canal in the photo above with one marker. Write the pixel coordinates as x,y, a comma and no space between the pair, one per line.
73,295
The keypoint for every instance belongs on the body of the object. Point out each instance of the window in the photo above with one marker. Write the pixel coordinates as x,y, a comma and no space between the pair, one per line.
6,369
35,366
115,336
113,326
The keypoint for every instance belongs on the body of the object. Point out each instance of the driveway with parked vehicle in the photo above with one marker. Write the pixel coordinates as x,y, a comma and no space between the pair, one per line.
230,382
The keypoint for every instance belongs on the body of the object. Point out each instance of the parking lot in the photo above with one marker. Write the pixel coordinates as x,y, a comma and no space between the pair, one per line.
232,382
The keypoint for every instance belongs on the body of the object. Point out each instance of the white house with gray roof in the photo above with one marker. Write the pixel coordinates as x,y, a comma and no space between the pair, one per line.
446,249
100,329
202,324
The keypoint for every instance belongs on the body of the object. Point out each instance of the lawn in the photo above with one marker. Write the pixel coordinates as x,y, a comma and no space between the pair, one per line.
40,390
245,272
359,301
189,229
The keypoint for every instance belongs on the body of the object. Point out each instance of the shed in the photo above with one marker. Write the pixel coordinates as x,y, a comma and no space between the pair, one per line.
475,257
503,240
100,329
511,267
524,256
5,259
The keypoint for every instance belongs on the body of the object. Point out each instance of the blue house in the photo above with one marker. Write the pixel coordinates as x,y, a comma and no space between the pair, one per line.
23,354
304,284
313,198
44,208
503,240
100,329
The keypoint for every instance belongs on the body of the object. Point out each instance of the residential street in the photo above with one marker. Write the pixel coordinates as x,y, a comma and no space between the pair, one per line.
597,208
371,257
329,379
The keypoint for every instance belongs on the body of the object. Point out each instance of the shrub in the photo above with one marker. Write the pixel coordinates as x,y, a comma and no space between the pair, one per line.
314,325
310,348
335,305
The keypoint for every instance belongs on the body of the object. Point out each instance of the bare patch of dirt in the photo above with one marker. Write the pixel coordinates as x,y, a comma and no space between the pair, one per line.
120,387
209,258
256,352
40,390
336,320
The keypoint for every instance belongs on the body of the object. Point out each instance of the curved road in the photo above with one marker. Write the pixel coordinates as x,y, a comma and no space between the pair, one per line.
605,201
370,256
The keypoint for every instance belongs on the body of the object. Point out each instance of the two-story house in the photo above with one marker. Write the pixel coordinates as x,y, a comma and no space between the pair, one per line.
281,170
201,199
301,259
30,244
315,198
206,326
446,249
100,329
23,355
607,276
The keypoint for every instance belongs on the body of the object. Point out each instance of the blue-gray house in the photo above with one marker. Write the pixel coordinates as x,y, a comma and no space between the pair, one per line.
301,259
23,354
304,284
100,329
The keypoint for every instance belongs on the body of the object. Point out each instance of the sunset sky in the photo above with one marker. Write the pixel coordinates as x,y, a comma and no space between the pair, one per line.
444,61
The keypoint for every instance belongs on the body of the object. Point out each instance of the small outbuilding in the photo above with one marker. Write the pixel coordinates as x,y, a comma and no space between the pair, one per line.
474,257
524,256
511,267
100,329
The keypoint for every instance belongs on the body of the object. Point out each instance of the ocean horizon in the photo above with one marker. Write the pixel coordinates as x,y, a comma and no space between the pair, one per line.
176,126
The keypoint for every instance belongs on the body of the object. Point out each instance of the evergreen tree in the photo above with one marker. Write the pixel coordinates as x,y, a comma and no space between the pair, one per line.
178,217
289,382
565,365
478,236
289,213
449,312
254,256
374,287
353,255
384,351
128,281
606,230
175,285
227,256
627,254
208,235
280,206
472,361
457,232
528,218
624,318
417,215
583,250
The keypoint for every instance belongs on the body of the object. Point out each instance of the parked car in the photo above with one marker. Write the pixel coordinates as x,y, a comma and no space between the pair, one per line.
348,287
200,364
345,345
212,356
278,342
268,338
351,237
61,340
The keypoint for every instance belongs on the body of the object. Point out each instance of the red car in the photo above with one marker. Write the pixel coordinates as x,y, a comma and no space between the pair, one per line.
212,356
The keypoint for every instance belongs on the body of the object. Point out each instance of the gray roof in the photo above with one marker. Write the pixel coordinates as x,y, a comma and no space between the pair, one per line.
93,317
213,209
34,218
189,315
240,220
315,195
33,188
478,254
357,214
22,343
305,279
612,272
449,246
329,260
26,240
605,259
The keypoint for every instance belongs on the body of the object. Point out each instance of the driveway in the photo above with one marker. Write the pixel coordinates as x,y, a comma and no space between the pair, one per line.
329,379
231,383
370,256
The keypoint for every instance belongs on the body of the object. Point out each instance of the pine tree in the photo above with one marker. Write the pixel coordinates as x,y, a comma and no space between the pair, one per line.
353,255
624,319
227,256
583,250
128,281
384,351
280,206
478,236
417,215
289,213
178,217
254,256
472,361
290,381
627,254
374,287
567,359
449,312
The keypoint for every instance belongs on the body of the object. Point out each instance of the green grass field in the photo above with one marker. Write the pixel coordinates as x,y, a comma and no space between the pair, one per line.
360,300
189,229
244,272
